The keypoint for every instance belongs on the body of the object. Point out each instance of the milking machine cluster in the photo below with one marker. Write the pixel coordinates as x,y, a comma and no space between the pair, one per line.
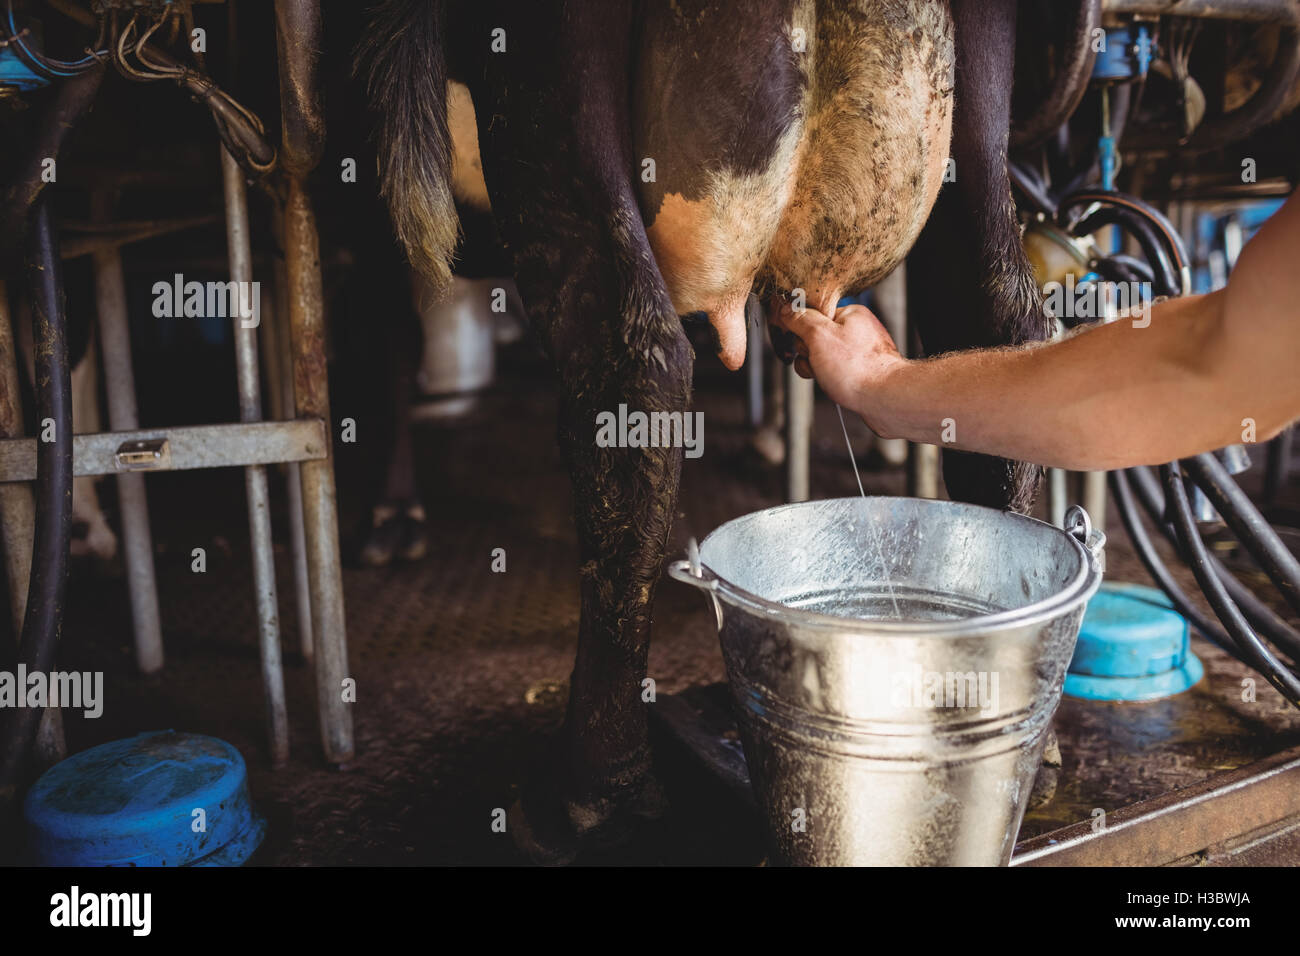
1179,496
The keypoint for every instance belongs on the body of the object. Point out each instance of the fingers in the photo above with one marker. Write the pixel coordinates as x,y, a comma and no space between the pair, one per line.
802,323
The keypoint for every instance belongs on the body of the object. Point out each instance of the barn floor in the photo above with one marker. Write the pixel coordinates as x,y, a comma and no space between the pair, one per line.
461,672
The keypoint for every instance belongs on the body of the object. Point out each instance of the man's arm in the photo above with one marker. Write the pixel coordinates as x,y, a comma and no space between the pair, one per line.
1111,397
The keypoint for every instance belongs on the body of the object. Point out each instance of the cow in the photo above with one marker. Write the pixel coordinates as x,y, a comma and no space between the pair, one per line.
652,160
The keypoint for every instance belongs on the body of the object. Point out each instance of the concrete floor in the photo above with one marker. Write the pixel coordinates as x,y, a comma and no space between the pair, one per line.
461,672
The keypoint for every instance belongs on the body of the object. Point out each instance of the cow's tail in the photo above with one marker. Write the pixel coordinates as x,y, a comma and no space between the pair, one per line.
402,63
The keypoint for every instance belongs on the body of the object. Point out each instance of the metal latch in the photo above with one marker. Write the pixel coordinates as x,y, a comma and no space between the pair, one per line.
146,454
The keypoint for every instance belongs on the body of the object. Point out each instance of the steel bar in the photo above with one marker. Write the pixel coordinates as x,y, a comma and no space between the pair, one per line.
239,246
1094,497
923,470
85,245
301,572
319,498
190,447
891,303
1058,496
302,121
754,363
46,588
799,396
1259,11
282,358
298,29
119,383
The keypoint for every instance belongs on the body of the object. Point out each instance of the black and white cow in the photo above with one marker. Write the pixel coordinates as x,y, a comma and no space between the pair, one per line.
796,145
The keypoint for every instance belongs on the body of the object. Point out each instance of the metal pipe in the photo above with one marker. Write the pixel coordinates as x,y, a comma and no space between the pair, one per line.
319,501
302,122
923,470
119,384
17,509
754,363
44,614
1258,11
239,245
1094,497
1057,496
298,40
799,396
890,296
283,358
1071,80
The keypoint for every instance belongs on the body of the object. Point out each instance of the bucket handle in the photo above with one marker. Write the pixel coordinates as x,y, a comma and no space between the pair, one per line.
1079,526
695,574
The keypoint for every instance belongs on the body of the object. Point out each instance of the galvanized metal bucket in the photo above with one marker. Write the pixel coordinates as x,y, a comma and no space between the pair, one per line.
883,738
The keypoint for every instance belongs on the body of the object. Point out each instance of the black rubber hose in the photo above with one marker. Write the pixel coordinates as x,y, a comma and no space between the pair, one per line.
1071,80
1135,265
72,98
49,575
1273,670
1260,615
1113,270
1155,565
1277,469
1032,188
1166,275
1247,524
1159,221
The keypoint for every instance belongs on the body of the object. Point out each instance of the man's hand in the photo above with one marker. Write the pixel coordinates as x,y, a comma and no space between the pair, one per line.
851,355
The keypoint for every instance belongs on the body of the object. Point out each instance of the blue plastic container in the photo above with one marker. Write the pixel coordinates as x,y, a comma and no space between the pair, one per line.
1132,646
137,802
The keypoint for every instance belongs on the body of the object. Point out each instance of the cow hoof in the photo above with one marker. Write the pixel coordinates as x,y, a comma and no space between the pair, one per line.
395,534
552,831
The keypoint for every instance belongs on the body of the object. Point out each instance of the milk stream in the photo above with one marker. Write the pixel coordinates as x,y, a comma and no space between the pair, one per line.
872,531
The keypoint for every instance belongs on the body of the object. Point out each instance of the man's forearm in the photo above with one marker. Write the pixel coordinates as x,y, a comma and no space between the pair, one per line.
1110,397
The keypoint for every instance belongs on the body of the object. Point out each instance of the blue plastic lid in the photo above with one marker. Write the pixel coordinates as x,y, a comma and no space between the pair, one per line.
133,803
1132,646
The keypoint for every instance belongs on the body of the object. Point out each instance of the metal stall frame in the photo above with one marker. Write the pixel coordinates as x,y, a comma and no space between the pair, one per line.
301,442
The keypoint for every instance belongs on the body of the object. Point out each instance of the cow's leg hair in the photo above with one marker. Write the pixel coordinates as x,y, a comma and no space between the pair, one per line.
969,283
558,166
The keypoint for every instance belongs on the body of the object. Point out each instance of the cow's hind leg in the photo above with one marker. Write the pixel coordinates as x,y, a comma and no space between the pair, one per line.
969,283
558,165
